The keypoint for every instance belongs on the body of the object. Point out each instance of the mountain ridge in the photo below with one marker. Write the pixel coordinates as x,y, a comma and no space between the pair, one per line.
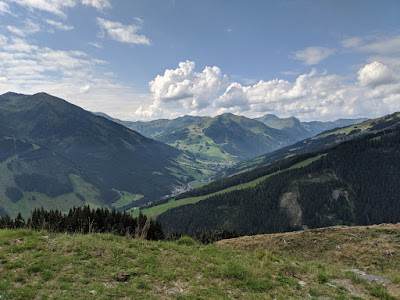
105,155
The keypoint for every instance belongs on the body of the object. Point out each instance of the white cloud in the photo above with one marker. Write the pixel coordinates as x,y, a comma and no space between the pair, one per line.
311,96
139,20
313,55
15,30
191,89
182,91
59,25
96,45
98,4
374,44
290,73
19,46
52,6
352,42
4,8
29,28
234,96
123,33
375,74
72,75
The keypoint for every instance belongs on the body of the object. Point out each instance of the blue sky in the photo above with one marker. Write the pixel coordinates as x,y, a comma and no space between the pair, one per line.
316,60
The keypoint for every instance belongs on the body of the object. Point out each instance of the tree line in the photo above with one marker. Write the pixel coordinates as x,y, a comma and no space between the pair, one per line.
85,220
102,220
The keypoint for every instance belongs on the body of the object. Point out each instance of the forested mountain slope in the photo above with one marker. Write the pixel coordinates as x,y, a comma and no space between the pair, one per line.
355,183
56,154
321,141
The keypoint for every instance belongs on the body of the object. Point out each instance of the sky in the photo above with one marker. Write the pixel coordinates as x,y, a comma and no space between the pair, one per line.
151,59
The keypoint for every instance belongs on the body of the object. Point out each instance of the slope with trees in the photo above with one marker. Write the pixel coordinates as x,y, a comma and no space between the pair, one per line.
355,183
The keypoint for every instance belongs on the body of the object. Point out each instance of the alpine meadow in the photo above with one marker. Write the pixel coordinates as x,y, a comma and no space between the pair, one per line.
199,149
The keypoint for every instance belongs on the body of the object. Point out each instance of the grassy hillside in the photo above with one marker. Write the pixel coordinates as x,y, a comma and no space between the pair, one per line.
58,155
41,265
33,177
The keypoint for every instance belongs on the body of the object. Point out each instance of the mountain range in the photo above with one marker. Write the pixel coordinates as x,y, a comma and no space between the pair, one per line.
353,182
228,137
301,130
56,155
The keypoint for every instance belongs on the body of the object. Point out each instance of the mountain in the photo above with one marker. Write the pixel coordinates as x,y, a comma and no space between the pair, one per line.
323,140
354,183
301,130
221,139
57,155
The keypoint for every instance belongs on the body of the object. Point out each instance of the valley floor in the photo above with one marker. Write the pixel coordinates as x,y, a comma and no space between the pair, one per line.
312,264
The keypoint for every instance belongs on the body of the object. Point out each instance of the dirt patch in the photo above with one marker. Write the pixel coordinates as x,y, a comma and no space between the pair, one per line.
291,205
337,193
353,290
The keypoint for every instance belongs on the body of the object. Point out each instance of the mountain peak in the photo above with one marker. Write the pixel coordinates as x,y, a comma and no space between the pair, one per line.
10,94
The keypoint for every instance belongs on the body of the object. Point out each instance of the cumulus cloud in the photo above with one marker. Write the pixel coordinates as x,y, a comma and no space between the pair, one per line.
123,33
311,96
317,95
98,4
52,6
375,74
59,25
193,89
234,96
313,55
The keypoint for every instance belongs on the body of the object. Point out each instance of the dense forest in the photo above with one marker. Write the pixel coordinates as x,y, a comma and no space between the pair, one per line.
224,183
356,183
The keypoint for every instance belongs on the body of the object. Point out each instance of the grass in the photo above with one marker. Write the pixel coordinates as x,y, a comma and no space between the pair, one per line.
159,209
43,265
62,202
203,146
196,184
126,198
341,247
